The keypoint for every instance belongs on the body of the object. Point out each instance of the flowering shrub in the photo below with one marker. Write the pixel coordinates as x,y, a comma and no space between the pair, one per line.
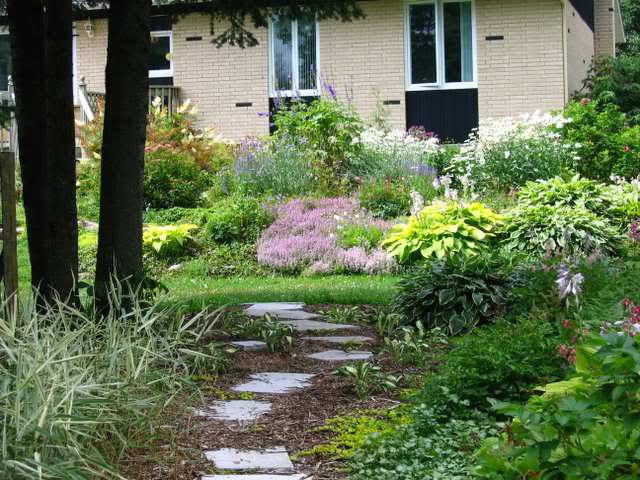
443,229
306,237
630,325
606,143
395,154
506,153
327,131
384,198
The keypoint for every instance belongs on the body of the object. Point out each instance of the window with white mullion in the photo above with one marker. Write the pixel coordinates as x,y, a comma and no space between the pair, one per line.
294,56
440,44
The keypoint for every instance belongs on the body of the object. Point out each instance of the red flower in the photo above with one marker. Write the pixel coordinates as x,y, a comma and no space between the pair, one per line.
627,149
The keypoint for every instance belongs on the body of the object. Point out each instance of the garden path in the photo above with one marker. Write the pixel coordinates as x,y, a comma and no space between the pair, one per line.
272,462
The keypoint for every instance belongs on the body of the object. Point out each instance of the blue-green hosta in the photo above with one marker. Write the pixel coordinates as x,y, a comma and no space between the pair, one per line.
443,230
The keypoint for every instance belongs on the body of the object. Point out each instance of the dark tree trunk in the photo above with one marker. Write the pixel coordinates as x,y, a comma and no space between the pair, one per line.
26,23
60,145
126,109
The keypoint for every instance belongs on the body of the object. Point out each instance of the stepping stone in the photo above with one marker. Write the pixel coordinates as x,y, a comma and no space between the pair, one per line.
289,315
340,356
313,325
259,309
297,476
341,340
271,460
250,345
235,410
274,382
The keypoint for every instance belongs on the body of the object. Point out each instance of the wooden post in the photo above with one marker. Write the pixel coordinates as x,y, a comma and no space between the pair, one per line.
9,225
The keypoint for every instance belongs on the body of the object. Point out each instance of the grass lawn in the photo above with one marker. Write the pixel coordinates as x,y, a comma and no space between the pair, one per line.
196,293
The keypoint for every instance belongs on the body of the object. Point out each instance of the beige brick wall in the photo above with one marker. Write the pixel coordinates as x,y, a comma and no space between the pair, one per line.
605,27
91,53
365,58
525,71
580,48
218,78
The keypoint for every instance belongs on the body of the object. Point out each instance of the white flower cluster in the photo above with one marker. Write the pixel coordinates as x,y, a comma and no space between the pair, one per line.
396,141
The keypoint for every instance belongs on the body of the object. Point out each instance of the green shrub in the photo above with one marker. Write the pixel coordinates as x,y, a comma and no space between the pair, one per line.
237,219
175,215
328,131
385,199
543,230
453,295
504,360
168,241
605,142
173,180
584,427
443,230
88,191
365,236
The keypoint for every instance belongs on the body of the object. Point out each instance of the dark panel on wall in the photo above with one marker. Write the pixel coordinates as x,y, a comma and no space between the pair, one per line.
586,11
161,23
450,114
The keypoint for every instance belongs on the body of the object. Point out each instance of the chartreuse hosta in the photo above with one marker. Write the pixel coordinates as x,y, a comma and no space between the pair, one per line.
442,230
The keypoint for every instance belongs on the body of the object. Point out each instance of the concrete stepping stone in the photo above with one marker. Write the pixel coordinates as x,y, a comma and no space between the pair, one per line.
340,340
235,410
297,476
274,382
273,460
313,325
340,356
250,345
259,309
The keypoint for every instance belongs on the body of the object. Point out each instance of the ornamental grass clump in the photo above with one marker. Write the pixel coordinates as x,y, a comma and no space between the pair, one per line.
443,230
306,237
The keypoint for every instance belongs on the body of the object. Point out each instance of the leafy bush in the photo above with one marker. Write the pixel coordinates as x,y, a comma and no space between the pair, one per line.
306,238
174,215
368,378
504,360
453,295
88,191
173,180
237,219
507,153
562,230
364,236
583,427
328,131
617,81
605,142
168,240
443,230
385,199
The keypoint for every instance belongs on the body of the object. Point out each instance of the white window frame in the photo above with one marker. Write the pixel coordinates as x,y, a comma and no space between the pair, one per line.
295,64
440,83
166,72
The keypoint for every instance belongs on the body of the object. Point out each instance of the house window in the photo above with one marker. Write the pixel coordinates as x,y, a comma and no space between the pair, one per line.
5,62
294,56
440,44
161,50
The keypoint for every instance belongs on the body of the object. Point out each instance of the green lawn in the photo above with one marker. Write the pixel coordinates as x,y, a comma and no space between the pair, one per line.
200,292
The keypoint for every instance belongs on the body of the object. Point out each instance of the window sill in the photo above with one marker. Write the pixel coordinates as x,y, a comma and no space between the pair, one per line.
446,86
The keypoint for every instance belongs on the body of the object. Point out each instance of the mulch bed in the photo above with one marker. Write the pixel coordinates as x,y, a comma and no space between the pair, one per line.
292,422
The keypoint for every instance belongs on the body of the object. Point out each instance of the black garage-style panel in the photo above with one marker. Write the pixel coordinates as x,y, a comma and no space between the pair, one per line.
450,114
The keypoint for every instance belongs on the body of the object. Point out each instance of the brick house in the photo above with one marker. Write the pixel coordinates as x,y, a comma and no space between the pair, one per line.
441,64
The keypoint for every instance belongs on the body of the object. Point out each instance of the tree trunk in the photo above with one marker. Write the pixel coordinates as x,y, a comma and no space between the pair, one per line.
126,109
60,146
26,23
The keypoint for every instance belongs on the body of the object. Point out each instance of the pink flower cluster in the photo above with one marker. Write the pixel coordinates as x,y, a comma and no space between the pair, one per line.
630,325
306,238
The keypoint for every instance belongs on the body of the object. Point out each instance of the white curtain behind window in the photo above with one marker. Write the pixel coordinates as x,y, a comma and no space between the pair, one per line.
283,54
307,65
466,41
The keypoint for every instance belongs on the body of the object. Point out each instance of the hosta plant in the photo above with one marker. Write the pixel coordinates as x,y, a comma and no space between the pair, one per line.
443,230
168,240
560,230
368,378
453,295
